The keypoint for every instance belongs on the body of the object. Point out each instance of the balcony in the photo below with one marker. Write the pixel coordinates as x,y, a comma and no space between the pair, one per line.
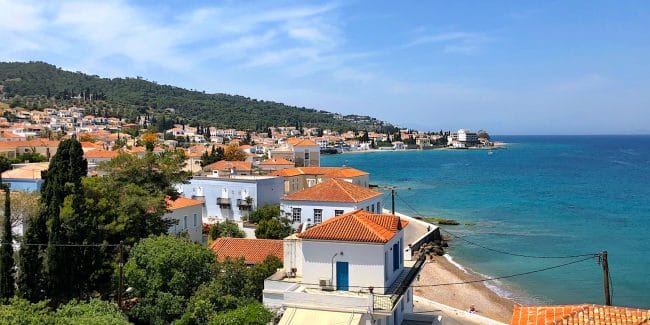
244,205
223,202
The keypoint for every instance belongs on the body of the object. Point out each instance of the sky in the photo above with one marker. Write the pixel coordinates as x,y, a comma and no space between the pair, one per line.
509,67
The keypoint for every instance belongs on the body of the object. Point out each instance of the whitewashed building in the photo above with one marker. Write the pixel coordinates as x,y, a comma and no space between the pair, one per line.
351,267
234,196
188,217
328,199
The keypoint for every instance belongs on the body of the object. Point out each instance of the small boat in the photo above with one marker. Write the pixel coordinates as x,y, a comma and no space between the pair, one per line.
490,153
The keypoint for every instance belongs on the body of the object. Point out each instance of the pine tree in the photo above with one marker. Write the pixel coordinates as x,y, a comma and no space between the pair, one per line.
7,285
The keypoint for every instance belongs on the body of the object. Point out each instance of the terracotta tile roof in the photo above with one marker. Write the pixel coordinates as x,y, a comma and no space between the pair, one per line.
357,226
277,161
9,134
333,190
306,143
252,250
578,314
181,202
100,154
341,172
29,143
226,165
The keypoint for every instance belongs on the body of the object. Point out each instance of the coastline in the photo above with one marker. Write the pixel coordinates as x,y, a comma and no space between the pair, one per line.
442,269
497,146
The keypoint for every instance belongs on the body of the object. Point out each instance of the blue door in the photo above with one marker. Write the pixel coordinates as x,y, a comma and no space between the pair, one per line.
342,279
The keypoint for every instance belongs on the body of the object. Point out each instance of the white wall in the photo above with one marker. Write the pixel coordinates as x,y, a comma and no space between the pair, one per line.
194,230
263,190
307,208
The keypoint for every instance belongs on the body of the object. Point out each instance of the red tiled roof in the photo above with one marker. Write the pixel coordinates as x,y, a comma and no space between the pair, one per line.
333,190
357,226
578,314
100,154
181,202
252,250
276,161
305,143
340,172
226,165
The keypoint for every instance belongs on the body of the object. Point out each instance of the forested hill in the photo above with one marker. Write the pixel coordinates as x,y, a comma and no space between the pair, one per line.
37,85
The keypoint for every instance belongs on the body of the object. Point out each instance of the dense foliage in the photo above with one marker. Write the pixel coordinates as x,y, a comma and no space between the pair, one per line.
94,311
165,272
37,85
225,228
265,212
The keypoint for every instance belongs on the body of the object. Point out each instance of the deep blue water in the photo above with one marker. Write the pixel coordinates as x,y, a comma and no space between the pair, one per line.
543,195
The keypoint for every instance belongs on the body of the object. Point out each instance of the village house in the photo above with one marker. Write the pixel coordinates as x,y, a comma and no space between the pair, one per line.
187,215
224,168
350,268
270,165
328,199
299,178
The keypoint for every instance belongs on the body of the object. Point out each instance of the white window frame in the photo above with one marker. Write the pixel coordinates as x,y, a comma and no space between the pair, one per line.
296,215
318,216
338,213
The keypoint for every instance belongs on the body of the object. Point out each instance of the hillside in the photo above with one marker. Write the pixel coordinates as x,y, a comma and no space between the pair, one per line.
37,85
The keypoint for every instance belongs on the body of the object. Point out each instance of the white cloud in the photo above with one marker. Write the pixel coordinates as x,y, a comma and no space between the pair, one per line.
451,42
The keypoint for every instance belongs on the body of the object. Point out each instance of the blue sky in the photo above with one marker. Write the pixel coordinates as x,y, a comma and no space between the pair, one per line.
519,67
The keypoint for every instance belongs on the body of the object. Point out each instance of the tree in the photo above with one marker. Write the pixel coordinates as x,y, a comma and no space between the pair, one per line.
68,269
149,139
7,281
94,311
22,312
226,228
216,154
265,212
483,134
24,206
253,314
5,164
165,271
275,228
234,153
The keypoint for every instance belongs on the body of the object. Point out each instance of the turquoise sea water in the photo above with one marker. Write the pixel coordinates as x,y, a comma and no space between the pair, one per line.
543,195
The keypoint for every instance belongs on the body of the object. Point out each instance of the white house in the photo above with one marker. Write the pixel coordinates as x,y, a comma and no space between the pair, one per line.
328,199
233,196
188,216
352,264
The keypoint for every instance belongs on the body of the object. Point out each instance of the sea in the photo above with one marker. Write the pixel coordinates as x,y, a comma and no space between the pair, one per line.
541,196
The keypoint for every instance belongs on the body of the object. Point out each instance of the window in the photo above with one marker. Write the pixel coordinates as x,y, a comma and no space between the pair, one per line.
184,222
195,217
296,215
318,216
368,208
378,207
311,182
401,252
372,207
385,265
338,212
395,256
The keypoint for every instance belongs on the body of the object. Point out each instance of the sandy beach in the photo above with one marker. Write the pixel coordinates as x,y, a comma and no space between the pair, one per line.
462,296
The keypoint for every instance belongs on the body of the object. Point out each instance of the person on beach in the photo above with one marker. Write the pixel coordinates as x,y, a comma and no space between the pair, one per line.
472,310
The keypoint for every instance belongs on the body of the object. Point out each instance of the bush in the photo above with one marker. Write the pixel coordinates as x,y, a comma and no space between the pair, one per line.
274,228
265,212
251,314
225,229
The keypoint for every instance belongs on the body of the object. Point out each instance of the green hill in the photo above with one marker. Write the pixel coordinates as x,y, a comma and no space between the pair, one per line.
37,85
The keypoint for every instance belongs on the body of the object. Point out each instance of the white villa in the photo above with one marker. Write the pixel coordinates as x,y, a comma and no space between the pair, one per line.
349,270
328,199
188,215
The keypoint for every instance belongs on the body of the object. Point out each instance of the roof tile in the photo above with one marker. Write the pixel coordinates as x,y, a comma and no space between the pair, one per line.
357,226
252,250
578,314
333,190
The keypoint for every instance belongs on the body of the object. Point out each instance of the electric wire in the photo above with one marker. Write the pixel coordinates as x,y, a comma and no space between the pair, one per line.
463,282
494,249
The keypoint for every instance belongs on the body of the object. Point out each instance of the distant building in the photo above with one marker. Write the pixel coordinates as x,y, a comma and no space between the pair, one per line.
299,178
271,165
224,168
463,139
188,217
328,199
25,177
233,197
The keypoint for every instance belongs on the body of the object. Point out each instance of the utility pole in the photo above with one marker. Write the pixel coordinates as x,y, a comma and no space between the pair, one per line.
120,287
603,263
392,199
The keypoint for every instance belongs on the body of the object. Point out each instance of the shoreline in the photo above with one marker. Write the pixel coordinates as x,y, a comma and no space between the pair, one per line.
443,269
499,146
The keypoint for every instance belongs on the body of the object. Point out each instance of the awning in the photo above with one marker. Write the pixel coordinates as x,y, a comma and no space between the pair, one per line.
299,316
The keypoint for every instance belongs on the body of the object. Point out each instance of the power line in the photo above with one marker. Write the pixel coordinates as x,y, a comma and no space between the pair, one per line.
64,245
498,250
463,282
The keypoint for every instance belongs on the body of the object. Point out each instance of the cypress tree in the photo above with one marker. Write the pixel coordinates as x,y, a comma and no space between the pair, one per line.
66,267
7,285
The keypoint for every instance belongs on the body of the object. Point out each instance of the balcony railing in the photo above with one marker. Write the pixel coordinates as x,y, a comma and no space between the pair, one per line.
223,202
243,205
